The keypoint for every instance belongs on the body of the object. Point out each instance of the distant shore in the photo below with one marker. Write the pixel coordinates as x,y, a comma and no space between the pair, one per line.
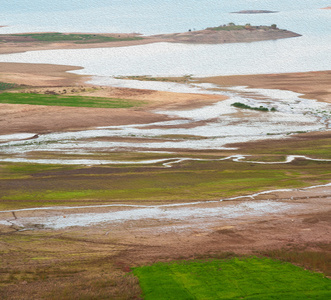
231,33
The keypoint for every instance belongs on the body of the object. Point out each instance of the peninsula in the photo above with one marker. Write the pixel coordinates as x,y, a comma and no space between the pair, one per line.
230,33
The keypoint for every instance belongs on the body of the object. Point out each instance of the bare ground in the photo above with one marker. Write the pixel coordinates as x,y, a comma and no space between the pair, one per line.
16,118
314,85
305,225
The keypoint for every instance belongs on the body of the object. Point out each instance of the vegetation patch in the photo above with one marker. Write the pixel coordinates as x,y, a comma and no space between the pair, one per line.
61,100
66,37
7,86
249,278
187,181
245,106
310,145
232,26
316,261
228,27
49,265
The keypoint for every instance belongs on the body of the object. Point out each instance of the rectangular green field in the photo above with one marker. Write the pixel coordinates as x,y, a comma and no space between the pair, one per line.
60,100
248,278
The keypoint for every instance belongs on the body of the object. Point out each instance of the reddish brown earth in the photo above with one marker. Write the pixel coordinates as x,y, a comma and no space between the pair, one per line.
314,85
305,226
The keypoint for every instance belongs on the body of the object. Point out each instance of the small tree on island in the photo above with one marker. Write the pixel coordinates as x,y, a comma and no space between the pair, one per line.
273,26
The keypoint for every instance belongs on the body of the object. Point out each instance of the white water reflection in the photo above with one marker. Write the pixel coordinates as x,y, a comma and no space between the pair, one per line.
243,209
196,212
161,213
166,162
213,126
167,59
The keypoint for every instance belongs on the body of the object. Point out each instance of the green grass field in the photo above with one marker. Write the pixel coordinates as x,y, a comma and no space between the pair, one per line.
60,100
29,185
249,278
75,37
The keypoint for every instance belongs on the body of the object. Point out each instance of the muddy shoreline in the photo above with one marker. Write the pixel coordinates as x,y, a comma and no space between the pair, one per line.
15,44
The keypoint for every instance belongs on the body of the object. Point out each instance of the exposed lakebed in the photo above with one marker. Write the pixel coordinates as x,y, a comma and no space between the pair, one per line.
211,127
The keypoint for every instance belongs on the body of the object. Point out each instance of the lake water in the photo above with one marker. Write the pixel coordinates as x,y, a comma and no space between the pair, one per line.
311,52
155,16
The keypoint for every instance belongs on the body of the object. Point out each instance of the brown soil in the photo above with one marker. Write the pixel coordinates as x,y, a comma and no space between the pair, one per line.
17,46
40,74
153,241
224,36
12,43
42,119
16,118
314,85
306,225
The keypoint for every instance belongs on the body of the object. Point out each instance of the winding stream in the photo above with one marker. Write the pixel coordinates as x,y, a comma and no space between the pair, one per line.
210,127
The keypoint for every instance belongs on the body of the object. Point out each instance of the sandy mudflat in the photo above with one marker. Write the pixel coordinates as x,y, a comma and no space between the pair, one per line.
314,85
41,119
292,219
39,74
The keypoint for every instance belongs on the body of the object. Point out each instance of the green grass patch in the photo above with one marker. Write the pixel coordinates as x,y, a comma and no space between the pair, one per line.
245,106
232,26
227,27
73,101
75,37
300,145
29,185
248,278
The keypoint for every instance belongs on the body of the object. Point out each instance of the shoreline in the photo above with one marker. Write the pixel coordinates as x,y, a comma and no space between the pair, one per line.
14,43
47,76
312,85
52,75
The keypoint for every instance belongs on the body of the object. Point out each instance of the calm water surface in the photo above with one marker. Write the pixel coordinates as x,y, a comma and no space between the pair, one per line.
311,52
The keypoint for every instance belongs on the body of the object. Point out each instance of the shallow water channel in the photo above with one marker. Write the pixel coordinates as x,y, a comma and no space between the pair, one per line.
180,216
211,127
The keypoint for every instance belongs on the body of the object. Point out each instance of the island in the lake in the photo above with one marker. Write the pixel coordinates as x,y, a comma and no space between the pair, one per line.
230,33
255,12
